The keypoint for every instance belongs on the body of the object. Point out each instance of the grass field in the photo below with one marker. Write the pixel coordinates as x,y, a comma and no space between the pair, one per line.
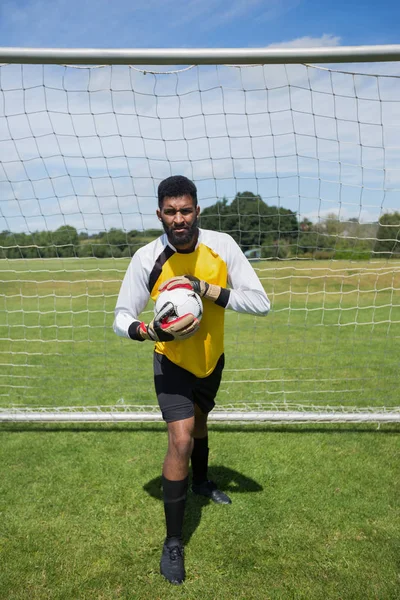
315,514
331,338
315,510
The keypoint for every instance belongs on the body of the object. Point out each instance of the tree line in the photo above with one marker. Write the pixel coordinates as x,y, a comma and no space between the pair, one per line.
66,242
261,230
275,232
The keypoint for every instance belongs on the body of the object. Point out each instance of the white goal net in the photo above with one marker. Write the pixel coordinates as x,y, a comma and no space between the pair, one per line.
299,163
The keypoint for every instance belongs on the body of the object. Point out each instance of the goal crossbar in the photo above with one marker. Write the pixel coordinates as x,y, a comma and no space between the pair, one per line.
172,56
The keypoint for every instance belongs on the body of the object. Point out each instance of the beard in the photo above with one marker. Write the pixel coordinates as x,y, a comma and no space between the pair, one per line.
183,237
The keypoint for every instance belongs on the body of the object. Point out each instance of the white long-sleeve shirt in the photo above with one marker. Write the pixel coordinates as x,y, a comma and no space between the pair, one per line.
216,259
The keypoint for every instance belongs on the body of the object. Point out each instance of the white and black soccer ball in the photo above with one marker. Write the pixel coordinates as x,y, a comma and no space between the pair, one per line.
185,301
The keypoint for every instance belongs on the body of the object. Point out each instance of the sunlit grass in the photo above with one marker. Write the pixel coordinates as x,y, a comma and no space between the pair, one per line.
314,514
315,509
331,337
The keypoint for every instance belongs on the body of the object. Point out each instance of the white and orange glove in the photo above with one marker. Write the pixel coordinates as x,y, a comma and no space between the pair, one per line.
202,288
160,329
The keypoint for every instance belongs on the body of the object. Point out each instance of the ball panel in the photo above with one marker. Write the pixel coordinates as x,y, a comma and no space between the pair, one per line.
185,301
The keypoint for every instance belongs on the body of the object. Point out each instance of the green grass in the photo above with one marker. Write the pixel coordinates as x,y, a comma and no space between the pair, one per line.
331,338
315,512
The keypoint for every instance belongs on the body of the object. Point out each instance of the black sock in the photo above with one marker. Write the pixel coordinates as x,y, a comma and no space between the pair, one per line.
174,493
199,460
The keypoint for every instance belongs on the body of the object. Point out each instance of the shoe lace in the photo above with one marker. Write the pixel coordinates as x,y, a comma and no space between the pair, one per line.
175,553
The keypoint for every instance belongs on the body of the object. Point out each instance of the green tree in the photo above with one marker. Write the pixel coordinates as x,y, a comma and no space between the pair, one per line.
9,245
101,250
118,241
251,222
66,240
388,235
154,233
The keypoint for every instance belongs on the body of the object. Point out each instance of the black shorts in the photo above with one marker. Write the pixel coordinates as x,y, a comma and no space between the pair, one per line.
179,390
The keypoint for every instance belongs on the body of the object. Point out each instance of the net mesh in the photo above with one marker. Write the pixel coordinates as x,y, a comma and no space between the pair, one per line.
299,164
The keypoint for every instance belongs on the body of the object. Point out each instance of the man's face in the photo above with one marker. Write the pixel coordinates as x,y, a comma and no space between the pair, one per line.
179,218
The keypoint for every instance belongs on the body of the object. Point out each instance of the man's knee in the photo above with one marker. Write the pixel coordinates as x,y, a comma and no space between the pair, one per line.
181,447
180,438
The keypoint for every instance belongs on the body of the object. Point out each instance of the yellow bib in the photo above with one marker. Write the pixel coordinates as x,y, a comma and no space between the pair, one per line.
200,353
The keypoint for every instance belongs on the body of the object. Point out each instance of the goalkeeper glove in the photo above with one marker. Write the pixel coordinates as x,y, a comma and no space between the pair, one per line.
202,288
162,330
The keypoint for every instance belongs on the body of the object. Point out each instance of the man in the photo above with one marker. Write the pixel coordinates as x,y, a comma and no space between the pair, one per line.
189,356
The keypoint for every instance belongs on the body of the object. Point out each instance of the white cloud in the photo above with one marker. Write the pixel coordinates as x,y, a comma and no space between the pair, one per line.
326,40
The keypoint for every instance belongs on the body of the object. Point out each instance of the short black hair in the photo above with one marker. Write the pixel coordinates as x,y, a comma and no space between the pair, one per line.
175,187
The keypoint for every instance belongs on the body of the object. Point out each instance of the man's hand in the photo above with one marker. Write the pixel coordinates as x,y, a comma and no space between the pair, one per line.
202,288
162,330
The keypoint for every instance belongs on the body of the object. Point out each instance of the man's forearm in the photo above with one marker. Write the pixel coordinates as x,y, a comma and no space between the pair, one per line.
123,321
253,302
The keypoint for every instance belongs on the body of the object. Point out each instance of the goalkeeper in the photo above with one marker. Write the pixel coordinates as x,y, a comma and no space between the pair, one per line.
189,356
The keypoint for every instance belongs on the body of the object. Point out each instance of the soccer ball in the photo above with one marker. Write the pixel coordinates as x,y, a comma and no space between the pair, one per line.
185,301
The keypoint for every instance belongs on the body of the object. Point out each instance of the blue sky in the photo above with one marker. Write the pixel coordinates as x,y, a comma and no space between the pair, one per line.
95,163
195,23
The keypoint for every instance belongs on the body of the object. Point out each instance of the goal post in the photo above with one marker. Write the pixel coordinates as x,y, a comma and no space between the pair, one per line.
299,162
